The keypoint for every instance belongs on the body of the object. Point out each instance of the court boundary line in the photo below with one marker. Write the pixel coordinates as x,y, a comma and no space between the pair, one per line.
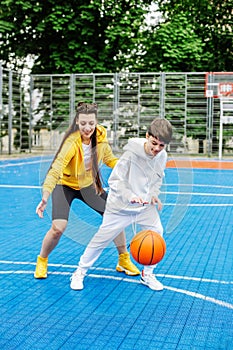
23,163
197,279
162,192
196,295
178,163
19,186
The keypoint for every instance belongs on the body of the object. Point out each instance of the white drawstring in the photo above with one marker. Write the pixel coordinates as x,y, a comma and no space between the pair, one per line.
134,227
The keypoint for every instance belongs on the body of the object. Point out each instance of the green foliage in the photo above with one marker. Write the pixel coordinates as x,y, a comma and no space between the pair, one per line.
111,36
176,47
108,36
67,37
211,23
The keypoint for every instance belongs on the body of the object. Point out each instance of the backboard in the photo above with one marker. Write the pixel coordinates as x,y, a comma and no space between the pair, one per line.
219,84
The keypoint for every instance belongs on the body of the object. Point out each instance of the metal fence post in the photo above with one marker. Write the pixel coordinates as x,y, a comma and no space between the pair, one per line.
1,103
162,92
139,104
51,112
94,88
10,112
72,98
210,121
185,114
30,112
115,110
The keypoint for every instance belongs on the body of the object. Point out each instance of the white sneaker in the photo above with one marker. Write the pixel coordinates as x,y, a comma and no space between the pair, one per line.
77,280
151,281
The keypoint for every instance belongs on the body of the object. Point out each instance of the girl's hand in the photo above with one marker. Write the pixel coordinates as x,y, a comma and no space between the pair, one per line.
41,207
155,200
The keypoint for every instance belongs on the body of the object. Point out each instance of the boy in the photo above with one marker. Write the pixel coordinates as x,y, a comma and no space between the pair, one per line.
134,188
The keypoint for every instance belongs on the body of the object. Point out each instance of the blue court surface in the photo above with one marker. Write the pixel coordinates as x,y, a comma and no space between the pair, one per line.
115,311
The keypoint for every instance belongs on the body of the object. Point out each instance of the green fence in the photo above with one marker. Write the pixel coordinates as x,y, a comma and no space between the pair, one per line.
36,109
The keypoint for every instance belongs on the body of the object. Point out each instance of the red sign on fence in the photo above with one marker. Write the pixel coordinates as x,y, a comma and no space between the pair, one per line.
225,89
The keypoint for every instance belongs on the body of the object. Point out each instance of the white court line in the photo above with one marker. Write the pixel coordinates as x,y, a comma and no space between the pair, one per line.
197,279
19,186
201,296
200,194
178,185
182,291
167,193
198,205
195,185
50,157
115,278
25,163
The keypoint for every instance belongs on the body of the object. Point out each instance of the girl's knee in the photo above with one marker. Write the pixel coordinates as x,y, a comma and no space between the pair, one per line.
57,230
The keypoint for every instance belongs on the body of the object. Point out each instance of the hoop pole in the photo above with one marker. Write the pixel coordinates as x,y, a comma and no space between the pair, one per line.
220,139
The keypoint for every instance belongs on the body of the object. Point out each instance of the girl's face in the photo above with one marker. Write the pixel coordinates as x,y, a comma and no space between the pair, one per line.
86,124
153,146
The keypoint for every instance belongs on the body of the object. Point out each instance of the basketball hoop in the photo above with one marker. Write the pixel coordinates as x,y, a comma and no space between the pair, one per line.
219,85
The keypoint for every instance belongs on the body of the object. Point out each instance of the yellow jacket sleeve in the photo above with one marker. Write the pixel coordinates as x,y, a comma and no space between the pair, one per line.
66,153
109,158
105,153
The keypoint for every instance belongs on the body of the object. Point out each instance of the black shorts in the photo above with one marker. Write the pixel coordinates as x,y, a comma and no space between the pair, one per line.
63,196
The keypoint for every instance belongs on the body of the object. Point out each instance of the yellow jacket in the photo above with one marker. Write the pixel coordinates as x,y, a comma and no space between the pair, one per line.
68,168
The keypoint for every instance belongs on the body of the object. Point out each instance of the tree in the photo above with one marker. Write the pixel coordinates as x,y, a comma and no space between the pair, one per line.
70,36
211,22
111,36
175,46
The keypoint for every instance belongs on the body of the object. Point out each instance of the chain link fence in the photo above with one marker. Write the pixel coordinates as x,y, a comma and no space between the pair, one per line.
35,110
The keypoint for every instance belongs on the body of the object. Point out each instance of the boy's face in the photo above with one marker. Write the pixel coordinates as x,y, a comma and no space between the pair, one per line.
153,146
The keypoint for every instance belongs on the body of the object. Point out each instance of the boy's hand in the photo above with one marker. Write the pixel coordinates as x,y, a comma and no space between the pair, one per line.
138,200
155,200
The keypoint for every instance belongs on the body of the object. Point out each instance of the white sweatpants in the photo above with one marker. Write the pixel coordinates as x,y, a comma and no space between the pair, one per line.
114,223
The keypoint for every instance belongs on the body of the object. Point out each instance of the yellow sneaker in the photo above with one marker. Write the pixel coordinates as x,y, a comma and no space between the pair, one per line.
41,267
125,265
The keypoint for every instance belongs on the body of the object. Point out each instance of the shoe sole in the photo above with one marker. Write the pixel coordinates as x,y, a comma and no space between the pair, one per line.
127,272
147,285
80,288
40,277
76,288
72,287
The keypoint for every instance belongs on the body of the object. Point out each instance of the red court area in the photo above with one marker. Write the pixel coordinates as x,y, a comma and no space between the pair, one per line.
201,164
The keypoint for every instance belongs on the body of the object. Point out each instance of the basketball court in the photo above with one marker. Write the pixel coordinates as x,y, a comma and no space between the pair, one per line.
114,311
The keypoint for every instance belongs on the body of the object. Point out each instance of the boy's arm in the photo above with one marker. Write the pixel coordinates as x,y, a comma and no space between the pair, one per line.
158,181
156,185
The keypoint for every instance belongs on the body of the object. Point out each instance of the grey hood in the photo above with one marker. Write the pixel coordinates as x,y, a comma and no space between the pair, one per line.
136,146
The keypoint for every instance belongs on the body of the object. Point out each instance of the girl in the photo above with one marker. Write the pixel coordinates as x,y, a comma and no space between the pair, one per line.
74,173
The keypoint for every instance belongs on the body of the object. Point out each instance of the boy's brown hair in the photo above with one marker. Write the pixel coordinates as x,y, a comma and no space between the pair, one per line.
161,129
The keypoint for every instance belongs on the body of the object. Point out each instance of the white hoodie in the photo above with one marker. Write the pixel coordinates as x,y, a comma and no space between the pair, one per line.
136,174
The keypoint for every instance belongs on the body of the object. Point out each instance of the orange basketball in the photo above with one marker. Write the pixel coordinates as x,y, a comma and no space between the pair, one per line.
147,247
